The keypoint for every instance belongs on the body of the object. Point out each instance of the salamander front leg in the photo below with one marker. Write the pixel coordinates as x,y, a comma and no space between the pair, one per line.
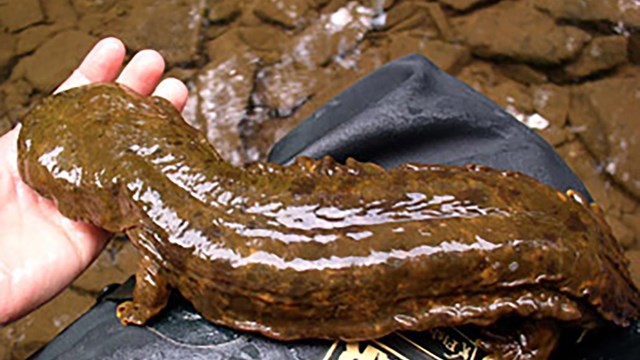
149,296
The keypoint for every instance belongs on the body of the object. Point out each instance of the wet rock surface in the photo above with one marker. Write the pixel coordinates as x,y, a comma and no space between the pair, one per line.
288,13
621,210
516,30
602,53
224,87
462,4
551,102
7,51
60,13
256,68
68,48
172,27
625,12
607,112
332,35
31,38
450,57
17,15
223,10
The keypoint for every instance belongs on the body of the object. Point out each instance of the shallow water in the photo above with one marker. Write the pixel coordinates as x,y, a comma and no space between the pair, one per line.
256,68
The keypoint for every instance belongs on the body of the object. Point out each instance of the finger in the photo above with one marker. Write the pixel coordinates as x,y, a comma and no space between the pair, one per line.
101,64
143,72
173,90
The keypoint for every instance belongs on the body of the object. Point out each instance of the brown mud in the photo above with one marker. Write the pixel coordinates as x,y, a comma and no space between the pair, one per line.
256,68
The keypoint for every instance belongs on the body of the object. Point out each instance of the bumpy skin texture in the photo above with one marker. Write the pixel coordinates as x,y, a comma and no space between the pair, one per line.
319,249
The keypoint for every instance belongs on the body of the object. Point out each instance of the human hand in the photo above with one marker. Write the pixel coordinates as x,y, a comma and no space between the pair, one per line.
41,251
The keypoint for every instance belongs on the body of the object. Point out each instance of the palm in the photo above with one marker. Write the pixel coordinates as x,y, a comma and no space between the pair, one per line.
41,251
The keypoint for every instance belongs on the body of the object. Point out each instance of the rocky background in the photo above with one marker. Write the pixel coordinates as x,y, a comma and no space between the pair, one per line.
568,69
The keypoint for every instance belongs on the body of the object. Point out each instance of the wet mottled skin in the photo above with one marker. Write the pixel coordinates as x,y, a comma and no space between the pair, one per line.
318,249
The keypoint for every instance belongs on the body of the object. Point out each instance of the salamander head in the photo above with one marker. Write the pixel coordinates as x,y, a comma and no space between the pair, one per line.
68,147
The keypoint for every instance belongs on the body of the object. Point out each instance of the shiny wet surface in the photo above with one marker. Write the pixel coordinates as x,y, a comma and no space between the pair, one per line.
319,249
271,66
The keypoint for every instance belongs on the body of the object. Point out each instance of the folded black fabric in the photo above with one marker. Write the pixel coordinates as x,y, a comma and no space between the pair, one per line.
411,111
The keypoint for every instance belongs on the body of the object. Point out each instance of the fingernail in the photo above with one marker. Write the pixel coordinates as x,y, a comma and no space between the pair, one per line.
105,47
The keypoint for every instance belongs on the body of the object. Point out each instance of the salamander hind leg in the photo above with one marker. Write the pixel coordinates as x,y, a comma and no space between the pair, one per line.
150,294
